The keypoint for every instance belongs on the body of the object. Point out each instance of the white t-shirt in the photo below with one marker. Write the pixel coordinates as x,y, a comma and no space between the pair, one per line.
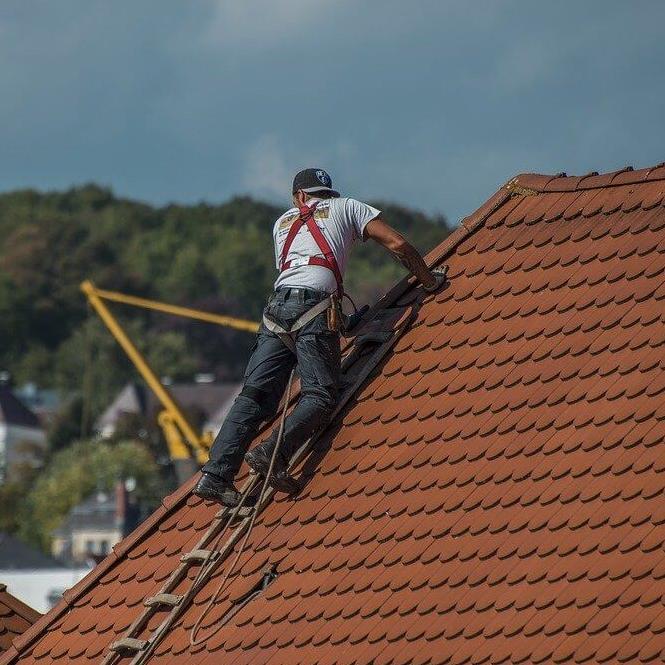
342,221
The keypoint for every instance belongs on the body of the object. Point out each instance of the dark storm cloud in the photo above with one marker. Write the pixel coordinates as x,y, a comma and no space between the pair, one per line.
430,103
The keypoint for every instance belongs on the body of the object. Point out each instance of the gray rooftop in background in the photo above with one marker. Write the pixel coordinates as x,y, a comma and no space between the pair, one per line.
16,555
135,398
14,412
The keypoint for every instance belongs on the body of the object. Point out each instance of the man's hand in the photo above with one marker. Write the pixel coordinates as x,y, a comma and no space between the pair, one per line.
405,253
439,275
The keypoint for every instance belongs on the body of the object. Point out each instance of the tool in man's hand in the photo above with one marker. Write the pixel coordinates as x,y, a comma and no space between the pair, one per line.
439,275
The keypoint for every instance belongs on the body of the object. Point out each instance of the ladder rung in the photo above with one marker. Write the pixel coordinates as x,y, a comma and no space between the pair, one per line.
168,599
241,515
128,645
244,512
198,556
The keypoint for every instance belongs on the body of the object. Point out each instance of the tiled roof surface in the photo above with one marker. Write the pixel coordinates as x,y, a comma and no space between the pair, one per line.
15,618
493,495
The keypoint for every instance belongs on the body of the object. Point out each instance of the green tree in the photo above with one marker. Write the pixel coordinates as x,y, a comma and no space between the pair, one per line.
66,426
12,494
216,257
74,473
168,354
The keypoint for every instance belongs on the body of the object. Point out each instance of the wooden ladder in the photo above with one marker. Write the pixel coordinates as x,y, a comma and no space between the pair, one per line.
370,347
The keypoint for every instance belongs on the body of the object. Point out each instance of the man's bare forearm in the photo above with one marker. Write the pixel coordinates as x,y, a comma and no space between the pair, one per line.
410,258
402,250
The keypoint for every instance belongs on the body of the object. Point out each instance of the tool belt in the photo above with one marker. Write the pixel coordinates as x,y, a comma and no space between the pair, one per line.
331,304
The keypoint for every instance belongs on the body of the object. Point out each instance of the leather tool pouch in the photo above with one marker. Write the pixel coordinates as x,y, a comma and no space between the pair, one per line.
334,314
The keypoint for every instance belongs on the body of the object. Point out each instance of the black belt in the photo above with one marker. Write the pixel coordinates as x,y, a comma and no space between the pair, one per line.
300,294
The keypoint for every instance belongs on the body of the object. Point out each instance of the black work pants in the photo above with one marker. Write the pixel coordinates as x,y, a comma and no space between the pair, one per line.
317,355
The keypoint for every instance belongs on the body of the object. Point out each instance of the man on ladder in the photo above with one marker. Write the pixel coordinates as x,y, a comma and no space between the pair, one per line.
301,326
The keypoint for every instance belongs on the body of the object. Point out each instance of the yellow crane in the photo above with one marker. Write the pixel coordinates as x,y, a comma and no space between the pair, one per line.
184,442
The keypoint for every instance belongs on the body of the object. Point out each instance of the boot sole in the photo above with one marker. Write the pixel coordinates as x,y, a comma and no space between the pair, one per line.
212,496
285,484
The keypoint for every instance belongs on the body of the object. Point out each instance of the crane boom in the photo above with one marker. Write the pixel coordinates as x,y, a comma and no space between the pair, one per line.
181,437
177,310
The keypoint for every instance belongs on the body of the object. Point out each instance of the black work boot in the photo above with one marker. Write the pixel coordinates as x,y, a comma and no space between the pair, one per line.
214,488
258,459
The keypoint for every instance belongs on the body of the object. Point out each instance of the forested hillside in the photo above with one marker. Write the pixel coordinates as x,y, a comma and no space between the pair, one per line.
215,257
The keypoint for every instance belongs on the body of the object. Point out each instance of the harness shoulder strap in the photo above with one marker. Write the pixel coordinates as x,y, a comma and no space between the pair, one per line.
329,261
293,232
325,247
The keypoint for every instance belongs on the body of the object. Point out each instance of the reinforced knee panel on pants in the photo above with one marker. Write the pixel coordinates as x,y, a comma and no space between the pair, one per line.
255,394
319,361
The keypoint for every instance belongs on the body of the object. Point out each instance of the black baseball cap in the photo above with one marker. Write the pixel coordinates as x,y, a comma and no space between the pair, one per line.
312,181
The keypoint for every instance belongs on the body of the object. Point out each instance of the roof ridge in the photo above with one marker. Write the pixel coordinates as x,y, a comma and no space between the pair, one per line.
18,606
562,182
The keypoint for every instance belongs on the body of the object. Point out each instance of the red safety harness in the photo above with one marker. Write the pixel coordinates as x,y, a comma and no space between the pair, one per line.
306,218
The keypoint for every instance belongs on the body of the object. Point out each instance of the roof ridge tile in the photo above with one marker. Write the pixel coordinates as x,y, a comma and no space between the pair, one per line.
561,182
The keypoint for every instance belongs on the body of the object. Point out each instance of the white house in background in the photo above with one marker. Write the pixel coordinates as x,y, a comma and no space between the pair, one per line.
22,438
95,525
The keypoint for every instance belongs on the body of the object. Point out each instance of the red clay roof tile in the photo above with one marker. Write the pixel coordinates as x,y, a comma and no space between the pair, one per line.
15,618
493,494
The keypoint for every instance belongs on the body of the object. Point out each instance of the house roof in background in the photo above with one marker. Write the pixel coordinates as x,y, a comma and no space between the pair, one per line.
96,512
14,412
494,492
207,397
16,555
15,618
43,402
217,416
100,512
135,398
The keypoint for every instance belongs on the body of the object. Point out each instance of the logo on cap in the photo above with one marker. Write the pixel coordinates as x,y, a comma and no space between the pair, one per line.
323,177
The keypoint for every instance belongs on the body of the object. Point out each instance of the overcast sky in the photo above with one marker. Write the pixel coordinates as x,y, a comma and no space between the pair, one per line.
431,103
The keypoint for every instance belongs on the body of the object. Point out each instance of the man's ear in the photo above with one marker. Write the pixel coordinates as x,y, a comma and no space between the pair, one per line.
300,198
